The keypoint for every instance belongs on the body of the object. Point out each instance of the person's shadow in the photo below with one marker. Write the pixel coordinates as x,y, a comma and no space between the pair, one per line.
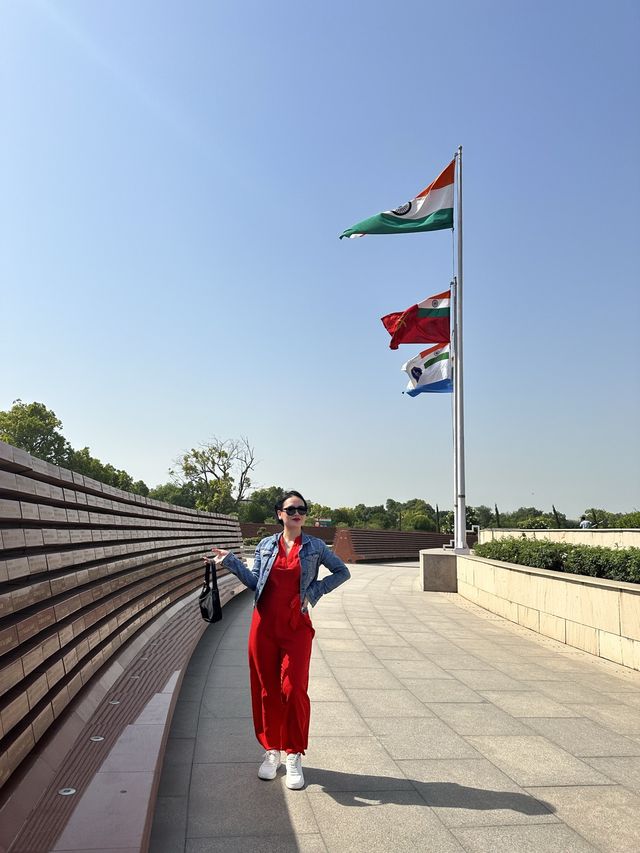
354,789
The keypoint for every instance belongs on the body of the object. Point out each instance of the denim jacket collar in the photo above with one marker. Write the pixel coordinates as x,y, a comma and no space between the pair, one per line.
275,539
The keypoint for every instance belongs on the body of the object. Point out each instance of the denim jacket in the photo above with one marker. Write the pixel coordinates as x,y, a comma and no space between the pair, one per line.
313,554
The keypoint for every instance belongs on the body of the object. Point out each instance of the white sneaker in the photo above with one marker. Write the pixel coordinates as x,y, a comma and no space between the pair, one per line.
295,779
270,764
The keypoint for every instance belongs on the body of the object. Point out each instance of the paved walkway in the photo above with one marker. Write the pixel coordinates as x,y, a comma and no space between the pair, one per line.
435,727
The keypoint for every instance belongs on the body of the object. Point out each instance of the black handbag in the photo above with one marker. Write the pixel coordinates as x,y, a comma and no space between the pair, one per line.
209,598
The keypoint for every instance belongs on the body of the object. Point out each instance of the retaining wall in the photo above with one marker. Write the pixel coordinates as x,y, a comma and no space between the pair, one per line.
599,616
84,568
607,537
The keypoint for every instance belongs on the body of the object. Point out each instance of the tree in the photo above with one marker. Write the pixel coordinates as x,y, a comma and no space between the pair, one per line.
218,472
447,520
172,494
36,429
394,513
423,522
318,511
343,516
84,463
484,515
260,505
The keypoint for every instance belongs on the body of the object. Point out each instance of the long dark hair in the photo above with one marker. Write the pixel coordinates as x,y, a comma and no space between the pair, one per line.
283,498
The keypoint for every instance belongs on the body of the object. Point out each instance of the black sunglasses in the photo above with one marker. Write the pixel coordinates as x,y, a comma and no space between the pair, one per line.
295,510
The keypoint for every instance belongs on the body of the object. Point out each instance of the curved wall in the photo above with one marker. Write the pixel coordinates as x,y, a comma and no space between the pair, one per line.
84,567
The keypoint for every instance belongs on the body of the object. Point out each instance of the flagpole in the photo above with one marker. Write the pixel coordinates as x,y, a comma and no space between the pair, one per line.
460,531
454,356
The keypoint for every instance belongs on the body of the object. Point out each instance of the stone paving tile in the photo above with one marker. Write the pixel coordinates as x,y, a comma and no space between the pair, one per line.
566,692
335,659
441,690
228,676
169,825
416,669
624,719
622,769
178,759
229,799
580,737
430,646
387,703
403,653
473,718
185,719
535,761
458,661
370,678
336,718
192,687
486,679
226,740
235,639
311,843
610,683
631,699
319,666
530,671
380,821
606,817
231,657
327,690
226,702
381,642
351,764
463,774
523,839
473,792
420,737
343,633
529,703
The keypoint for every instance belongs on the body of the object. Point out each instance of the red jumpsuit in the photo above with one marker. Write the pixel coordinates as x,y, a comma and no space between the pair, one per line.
279,654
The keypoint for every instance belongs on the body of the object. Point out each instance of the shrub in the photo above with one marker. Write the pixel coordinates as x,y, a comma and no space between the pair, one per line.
617,564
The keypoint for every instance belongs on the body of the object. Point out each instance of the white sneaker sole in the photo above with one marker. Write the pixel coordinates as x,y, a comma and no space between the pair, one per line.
294,786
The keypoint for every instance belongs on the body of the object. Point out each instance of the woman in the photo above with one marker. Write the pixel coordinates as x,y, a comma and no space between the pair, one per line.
285,579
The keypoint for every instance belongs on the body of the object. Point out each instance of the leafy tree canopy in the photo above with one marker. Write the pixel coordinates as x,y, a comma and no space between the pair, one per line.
218,472
36,429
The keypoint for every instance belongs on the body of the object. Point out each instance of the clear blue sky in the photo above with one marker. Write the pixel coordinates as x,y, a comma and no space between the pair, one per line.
174,179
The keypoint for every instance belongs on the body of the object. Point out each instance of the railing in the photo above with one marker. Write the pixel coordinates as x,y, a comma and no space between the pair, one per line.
84,568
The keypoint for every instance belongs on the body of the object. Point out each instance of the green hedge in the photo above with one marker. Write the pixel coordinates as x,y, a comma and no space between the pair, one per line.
616,564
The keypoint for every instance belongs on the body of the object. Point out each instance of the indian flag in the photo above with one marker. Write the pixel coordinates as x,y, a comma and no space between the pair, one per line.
431,210
430,371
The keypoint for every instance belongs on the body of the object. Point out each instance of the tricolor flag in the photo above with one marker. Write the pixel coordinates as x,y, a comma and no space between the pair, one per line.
431,210
426,322
430,371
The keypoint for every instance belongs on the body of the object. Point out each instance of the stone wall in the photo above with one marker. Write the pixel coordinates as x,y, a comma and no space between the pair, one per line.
599,616
608,538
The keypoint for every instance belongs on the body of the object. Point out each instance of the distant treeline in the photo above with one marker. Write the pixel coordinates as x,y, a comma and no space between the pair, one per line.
216,477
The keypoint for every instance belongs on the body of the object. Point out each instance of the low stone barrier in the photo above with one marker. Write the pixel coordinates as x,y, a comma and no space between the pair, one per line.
599,616
607,537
